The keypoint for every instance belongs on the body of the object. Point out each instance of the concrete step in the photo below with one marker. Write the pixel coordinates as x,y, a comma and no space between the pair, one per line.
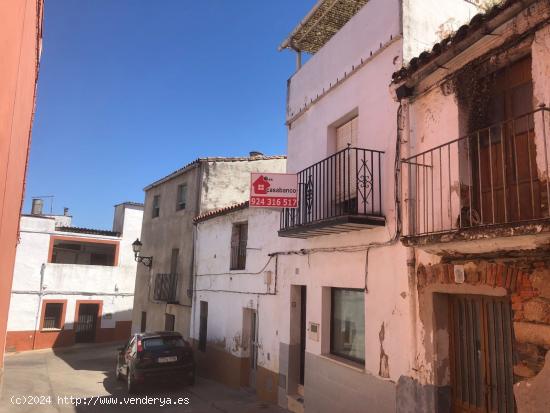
296,403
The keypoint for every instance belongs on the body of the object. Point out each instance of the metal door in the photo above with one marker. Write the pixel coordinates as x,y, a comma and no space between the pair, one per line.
481,354
85,327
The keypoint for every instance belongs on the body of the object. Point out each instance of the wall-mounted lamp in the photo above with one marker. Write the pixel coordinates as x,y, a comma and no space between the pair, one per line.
136,246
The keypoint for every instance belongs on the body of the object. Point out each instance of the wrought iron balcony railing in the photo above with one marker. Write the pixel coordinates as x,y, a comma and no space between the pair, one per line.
166,287
340,193
495,175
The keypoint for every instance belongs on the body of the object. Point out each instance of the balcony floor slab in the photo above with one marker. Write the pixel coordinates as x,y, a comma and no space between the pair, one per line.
335,225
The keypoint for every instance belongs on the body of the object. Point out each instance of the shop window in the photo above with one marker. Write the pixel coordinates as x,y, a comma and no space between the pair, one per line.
347,326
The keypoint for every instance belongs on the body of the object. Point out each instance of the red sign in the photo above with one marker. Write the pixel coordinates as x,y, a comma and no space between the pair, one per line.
272,190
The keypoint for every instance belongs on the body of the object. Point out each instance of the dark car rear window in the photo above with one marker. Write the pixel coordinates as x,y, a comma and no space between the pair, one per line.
157,343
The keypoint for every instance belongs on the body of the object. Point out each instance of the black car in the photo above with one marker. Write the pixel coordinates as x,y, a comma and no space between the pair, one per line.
155,356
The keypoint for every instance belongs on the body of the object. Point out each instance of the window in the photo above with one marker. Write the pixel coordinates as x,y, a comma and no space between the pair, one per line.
156,206
143,321
52,316
347,324
169,322
239,237
162,343
174,261
182,197
203,325
84,253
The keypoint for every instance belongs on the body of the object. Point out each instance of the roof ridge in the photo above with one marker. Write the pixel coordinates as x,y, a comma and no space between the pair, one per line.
213,159
220,211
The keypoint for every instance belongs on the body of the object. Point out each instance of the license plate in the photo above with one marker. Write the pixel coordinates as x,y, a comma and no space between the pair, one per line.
167,359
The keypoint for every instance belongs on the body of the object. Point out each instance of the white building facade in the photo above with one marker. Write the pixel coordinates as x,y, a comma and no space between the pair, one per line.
236,301
164,291
73,284
349,344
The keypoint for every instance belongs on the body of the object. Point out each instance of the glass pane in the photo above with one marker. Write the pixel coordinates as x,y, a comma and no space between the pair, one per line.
348,324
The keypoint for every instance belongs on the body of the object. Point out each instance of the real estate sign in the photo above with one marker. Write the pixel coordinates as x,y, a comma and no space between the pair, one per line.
272,190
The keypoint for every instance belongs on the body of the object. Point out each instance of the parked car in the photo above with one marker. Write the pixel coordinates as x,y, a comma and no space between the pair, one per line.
161,355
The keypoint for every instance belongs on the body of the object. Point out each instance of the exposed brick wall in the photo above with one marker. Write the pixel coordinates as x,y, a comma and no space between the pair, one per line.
528,286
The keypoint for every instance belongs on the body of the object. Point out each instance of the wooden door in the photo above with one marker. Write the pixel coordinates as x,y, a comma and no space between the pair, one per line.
345,166
480,330
503,153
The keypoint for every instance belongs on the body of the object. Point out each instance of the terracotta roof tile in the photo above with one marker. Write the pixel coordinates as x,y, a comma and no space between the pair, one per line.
220,211
451,41
90,231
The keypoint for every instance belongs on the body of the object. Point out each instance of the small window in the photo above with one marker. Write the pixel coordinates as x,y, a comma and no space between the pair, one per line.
239,238
143,321
156,206
182,197
174,261
169,322
52,316
347,324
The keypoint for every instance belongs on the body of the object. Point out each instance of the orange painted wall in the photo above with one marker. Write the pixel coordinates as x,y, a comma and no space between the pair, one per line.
20,38
23,340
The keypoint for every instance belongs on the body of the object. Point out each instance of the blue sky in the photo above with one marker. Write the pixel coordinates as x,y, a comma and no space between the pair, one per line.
131,90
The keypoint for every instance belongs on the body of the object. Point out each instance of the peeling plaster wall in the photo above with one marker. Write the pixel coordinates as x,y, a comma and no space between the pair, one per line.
228,323
210,186
436,118
540,52
428,21
172,229
227,183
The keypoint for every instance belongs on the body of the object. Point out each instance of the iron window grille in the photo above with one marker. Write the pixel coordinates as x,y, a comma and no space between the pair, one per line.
166,287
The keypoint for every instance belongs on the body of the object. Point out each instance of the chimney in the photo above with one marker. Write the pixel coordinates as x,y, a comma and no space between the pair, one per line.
37,205
255,154
66,211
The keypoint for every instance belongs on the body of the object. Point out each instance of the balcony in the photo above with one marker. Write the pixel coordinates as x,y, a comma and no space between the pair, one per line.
488,184
166,286
338,194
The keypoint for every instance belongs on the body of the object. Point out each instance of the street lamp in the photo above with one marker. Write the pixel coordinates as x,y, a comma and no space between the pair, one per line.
136,246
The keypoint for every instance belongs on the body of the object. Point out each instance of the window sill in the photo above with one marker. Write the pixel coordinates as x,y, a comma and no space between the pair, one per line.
50,330
344,362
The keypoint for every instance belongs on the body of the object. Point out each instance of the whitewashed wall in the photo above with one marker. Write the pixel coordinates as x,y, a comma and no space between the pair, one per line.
225,309
70,281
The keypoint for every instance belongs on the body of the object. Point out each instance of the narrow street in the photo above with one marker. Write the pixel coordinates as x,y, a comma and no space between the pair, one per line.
39,381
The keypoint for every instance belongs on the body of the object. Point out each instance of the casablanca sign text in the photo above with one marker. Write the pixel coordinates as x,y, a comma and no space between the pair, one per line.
272,190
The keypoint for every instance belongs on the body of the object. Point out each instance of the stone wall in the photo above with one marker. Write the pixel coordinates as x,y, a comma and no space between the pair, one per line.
527,283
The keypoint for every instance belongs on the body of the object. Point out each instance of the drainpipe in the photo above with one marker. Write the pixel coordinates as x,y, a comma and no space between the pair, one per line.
406,146
40,294
411,272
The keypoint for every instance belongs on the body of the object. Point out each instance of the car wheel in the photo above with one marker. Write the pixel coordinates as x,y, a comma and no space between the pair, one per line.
192,379
132,386
119,375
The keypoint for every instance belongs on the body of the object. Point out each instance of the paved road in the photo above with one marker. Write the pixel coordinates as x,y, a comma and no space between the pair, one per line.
88,373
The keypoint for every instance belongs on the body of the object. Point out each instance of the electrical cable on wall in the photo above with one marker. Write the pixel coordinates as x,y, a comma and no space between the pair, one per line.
345,249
